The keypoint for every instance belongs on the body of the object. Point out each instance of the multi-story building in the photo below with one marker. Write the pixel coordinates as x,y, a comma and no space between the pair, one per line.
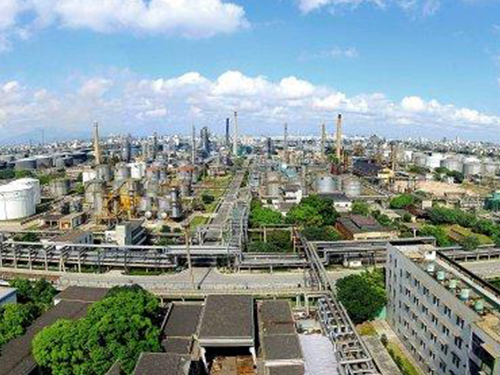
448,318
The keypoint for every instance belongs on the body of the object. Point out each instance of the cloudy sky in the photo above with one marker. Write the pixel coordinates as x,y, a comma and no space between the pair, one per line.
397,68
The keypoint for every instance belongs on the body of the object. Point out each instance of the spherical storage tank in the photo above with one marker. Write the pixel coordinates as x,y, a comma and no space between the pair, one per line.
16,201
472,168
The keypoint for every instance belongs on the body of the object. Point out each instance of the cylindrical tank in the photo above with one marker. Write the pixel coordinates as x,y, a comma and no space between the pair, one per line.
94,195
122,172
452,164
164,204
327,184
27,164
472,168
103,172
88,175
176,212
44,161
419,159
351,186
33,182
137,170
59,187
434,161
16,201
145,204
490,168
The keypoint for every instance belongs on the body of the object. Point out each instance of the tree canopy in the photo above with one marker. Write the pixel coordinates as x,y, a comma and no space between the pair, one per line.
438,233
363,295
263,216
360,208
313,211
119,327
402,201
321,234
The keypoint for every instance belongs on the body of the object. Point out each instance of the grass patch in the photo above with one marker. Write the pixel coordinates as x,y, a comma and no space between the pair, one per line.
457,233
366,329
403,363
198,220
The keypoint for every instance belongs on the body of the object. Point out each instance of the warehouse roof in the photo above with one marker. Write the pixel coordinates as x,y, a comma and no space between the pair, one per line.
281,347
361,224
177,345
162,364
16,358
116,369
287,370
82,294
275,317
183,320
227,319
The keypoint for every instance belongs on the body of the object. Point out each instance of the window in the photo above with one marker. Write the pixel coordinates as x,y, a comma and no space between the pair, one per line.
425,291
435,300
455,359
425,310
444,349
460,322
442,366
447,311
434,319
446,330
458,342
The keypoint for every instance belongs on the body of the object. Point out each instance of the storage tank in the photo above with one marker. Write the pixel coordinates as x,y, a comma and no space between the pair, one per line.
27,164
145,204
472,168
33,182
490,168
44,161
16,201
88,175
59,187
327,184
122,172
452,164
94,195
420,159
103,172
434,161
137,170
351,186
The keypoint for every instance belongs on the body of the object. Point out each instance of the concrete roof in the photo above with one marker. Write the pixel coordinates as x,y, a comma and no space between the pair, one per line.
275,317
82,294
281,347
183,320
177,345
162,364
228,320
286,370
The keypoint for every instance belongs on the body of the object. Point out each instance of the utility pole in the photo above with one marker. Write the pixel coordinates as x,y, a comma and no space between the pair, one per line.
188,250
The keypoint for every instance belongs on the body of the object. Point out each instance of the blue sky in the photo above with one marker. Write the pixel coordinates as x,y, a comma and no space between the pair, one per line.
394,67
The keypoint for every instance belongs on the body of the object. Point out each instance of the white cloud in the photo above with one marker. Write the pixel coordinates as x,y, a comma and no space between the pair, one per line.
415,7
334,53
188,18
129,104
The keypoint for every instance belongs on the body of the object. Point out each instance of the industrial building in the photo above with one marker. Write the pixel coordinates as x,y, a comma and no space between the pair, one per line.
446,316
357,227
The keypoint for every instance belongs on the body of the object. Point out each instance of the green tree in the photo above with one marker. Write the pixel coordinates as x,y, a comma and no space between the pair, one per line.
207,198
263,216
321,234
401,201
470,243
120,327
362,297
313,211
360,208
7,174
23,174
438,233
14,319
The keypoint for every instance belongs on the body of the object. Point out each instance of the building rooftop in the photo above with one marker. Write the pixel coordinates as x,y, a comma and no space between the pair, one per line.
281,347
71,236
6,292
162,364
286,370
82,294
177,345
227,319
183,320
362,224
275,317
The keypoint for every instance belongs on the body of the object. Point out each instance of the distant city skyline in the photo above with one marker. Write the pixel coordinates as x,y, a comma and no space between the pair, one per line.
396,68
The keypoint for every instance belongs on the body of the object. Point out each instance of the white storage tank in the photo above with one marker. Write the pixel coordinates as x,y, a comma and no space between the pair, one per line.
327,184
434,161
16,201
472,168
88,175
33,182
122,172
103,172
452,164
137,170
351,186
490,168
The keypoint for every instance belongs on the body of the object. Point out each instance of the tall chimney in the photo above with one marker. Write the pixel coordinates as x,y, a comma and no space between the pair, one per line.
155,145
323,141
97,146
193,146
235,136
339,139
228,142
285,143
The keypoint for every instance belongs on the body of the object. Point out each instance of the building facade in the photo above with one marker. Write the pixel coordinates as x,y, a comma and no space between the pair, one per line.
447,317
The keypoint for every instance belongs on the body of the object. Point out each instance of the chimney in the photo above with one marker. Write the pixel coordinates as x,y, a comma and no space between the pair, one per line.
228,142
285,143
155,145
323,141
235,136
97,146
193,146
339,139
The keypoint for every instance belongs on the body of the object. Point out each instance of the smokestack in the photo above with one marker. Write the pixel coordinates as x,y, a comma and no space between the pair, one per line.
323,141
228,142
285,142
193,146
339,139
97,146
235,136
155,145
394,155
